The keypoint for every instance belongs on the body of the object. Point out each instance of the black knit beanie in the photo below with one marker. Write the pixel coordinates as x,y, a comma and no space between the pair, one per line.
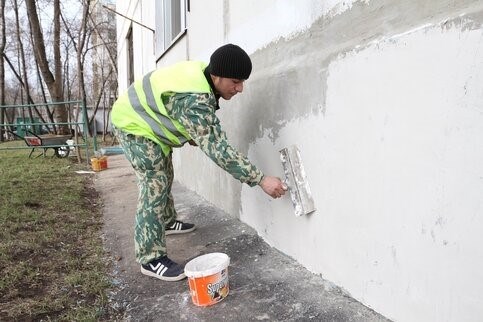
230,61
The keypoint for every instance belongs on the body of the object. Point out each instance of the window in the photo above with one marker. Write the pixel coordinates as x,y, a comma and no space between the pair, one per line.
170,23
130,58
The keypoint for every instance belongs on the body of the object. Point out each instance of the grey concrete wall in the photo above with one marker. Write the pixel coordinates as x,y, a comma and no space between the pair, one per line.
383,99
385,103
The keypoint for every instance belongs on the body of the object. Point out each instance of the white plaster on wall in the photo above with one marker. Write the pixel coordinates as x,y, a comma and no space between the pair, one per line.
396,169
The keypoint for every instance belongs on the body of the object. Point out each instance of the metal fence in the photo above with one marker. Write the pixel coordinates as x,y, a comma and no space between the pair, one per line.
33,124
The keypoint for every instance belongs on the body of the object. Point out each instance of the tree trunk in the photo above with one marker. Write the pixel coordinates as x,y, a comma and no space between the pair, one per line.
22,66
21,53
53,81
42,90
2,68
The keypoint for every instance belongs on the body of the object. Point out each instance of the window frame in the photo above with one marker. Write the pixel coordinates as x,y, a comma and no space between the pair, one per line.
129,57
164,24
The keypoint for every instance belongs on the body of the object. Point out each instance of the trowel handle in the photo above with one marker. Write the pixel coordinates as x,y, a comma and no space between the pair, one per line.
285,184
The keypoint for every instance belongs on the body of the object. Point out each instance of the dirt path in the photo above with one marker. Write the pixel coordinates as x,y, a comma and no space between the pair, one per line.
264,283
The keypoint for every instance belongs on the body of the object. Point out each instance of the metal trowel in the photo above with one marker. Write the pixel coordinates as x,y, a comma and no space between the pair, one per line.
296,181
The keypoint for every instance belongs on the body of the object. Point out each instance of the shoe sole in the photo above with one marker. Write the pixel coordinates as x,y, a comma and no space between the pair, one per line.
176,232
163,278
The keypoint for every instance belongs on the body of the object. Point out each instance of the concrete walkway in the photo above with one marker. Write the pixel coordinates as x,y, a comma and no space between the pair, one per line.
264,283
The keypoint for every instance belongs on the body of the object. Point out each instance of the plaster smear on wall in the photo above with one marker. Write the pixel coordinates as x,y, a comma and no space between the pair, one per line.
278,19
396,170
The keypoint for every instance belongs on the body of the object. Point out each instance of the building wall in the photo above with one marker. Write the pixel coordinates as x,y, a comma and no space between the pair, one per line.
385,103
143,38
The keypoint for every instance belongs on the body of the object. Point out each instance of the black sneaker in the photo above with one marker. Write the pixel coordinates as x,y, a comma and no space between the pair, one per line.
179,227
164,269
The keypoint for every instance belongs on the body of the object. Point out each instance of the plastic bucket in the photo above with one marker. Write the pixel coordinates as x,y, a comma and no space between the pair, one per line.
103,162
95,164
208,278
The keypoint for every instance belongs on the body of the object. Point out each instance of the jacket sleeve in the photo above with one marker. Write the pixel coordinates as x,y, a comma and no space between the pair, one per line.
196,112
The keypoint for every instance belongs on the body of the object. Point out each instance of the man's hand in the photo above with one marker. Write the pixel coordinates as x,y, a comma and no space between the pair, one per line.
273,186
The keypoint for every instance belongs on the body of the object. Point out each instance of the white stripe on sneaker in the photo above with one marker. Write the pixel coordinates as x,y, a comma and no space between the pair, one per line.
154,268
160,269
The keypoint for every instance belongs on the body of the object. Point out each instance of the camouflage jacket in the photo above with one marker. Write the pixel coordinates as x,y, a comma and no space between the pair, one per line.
196,112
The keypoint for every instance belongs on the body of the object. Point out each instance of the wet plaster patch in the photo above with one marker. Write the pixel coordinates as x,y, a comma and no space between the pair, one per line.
264,283
289,79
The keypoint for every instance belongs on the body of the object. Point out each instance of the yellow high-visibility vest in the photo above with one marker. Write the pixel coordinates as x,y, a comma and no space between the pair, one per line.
140,110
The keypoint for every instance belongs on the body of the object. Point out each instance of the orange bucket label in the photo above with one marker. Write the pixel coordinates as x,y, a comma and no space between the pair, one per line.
103,162
210,289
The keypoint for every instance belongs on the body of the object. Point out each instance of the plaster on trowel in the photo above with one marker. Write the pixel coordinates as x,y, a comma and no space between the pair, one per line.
296,180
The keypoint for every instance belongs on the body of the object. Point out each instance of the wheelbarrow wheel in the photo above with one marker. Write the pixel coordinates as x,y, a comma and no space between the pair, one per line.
62,152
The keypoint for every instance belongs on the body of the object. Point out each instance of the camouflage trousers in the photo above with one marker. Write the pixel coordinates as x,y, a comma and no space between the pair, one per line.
155,207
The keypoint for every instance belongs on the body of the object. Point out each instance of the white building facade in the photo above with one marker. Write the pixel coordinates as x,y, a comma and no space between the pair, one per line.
384,100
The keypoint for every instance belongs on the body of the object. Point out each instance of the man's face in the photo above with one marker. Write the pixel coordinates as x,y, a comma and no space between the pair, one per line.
227,87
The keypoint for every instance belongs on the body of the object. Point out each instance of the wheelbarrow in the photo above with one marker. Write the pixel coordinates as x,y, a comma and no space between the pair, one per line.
57,142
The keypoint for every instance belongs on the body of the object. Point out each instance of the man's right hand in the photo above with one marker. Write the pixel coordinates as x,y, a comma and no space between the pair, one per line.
273,186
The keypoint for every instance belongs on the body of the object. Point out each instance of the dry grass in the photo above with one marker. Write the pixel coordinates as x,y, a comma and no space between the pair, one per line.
51,256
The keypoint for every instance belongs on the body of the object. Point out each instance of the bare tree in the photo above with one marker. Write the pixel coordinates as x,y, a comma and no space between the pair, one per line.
52,80
23,77
79,46
107,47
104,67
22,86
67,77
81,43
21,51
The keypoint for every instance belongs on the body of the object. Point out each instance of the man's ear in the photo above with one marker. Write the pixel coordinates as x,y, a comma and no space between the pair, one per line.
216,81
214,78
